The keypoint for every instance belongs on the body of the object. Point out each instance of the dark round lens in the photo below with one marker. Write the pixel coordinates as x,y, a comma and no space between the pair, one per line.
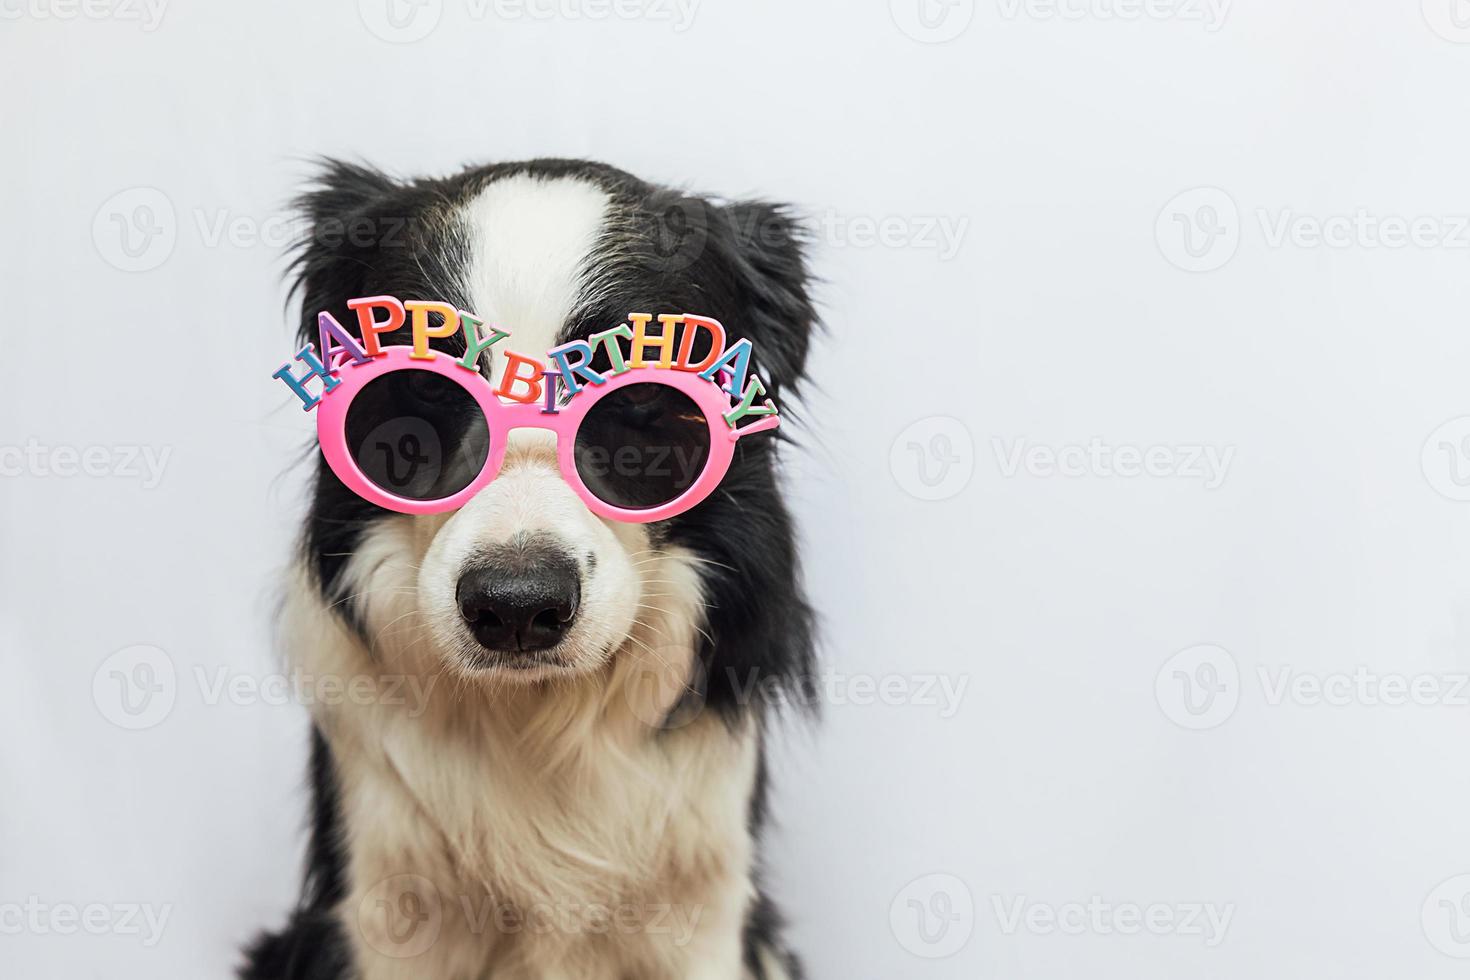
417,434
642,446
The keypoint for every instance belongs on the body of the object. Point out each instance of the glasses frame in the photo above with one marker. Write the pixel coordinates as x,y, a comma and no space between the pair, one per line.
502,418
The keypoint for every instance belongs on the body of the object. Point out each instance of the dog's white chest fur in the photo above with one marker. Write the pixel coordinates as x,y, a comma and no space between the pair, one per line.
534,832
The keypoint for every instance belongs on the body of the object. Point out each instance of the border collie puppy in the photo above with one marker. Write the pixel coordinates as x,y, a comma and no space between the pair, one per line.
591,809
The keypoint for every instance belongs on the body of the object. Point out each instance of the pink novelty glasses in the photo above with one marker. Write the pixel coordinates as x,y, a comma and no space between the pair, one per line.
424,436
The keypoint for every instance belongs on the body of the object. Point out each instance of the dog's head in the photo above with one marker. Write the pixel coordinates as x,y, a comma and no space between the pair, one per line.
523,583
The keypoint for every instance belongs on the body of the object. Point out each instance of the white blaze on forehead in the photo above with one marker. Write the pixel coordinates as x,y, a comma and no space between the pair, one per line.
530,239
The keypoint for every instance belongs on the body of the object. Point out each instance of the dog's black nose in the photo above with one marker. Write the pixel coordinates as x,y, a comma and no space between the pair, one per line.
525,608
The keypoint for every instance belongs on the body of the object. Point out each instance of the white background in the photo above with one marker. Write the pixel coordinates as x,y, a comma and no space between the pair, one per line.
1059,142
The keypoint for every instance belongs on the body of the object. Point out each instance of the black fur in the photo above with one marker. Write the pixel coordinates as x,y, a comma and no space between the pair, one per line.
741,263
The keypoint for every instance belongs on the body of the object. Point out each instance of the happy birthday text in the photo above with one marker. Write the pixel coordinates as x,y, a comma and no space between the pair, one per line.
528,379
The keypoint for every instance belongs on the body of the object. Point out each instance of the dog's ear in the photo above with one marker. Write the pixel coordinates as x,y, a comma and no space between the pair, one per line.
768,249
341,213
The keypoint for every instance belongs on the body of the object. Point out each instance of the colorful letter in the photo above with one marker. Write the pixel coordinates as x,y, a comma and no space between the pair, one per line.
569,371
370,327
474,344
737,359
608,338
512,374
692,324
421,329
752,390
315,369
328,330
664,342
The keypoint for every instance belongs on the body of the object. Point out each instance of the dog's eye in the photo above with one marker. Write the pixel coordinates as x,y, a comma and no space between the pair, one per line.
642,446
417,434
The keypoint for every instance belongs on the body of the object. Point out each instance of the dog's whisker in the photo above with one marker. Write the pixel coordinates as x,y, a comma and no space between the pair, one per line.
395,589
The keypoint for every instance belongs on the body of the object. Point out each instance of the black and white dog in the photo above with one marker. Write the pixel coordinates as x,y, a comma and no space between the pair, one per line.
595,811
